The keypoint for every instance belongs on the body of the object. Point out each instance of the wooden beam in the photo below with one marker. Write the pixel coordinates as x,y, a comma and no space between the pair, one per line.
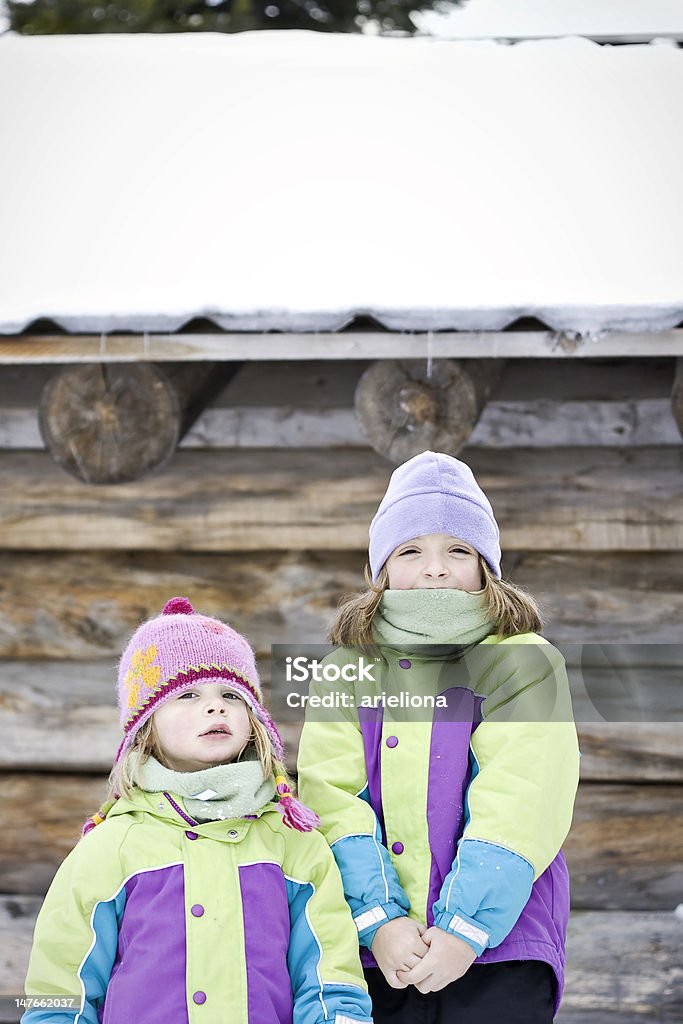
321,384
677,396
542,424
625,963
544,499
622,968
622,849
85,606
61,716
536,403
157,348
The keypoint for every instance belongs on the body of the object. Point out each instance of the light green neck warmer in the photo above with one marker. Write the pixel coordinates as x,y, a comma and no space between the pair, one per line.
431,618
212,794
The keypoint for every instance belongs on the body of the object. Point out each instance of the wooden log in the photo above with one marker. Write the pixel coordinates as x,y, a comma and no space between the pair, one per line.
408,407
110,424
631,751
61,716
677,396
623,848
600,1016
622,968
625,963
548,500
85,606
17,920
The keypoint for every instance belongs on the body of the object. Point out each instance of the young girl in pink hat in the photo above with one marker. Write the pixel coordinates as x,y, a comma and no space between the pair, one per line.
447,822
199,892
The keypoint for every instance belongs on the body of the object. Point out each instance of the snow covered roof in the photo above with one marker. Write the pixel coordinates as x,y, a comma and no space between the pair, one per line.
537,19
293,180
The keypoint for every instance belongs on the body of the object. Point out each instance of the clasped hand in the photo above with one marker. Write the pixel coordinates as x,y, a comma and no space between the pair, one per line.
409,953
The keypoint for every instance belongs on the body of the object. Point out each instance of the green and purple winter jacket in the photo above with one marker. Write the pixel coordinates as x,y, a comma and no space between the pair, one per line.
153,918
455,817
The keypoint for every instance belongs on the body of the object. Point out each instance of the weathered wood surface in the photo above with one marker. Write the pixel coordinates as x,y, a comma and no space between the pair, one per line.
108,423
320,384
625,963
623,850
352,344
598,1016
542,424
622,968
61,716
536,403
677,396
544,499
409,406
631,751
69,605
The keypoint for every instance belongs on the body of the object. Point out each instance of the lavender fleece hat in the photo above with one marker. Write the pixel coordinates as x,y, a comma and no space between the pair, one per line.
433,493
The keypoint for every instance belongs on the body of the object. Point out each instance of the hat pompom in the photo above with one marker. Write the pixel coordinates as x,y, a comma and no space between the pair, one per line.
178,606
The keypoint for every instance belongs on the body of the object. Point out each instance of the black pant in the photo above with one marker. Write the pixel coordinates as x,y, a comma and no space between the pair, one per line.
513,992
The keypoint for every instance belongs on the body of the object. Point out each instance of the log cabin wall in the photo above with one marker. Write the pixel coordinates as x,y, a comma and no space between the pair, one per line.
261,518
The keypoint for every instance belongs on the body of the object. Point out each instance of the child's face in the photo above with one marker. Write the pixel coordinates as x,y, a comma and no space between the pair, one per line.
434,561
202,727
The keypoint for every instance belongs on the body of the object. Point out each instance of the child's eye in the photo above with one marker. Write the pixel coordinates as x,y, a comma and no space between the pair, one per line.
231,695
188,693
407,551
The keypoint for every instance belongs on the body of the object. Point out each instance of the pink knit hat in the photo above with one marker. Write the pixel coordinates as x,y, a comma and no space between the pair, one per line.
176,651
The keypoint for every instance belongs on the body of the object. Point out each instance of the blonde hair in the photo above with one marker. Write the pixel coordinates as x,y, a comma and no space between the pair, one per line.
510,608
123,776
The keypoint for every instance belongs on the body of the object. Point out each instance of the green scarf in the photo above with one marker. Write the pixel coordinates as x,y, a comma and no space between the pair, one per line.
212,794
435,621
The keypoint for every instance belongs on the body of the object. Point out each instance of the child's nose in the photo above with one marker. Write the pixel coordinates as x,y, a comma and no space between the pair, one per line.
435,567
215,704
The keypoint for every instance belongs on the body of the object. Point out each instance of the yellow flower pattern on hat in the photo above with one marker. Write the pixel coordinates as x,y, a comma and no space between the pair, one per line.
143,675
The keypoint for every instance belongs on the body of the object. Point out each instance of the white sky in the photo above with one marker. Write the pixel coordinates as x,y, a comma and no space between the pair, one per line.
530,18
292,179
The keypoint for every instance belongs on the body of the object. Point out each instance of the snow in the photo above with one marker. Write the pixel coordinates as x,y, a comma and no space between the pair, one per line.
291,180
520,19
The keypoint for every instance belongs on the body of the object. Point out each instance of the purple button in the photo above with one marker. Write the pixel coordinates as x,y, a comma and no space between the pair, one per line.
197,910
199,998
405,662
192,835
397,848
392,741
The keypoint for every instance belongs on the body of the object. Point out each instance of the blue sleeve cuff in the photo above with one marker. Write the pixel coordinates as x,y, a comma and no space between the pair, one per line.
465,928
484,893
369,919
371,885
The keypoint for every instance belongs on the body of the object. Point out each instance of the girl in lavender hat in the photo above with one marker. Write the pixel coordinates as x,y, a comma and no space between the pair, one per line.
199,892
446,810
